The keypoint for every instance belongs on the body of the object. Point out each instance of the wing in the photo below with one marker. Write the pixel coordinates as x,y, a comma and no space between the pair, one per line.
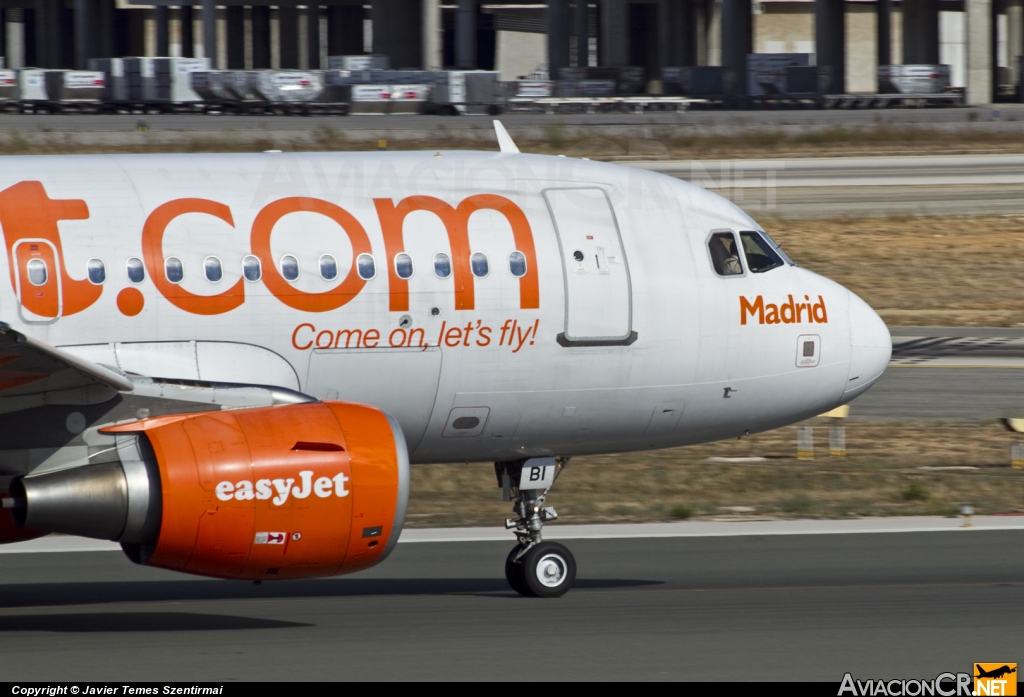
30,367
53,401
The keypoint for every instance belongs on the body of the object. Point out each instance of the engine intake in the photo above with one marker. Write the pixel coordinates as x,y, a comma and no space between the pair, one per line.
292,491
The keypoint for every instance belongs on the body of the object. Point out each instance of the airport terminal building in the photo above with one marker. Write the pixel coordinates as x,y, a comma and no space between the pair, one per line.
980,40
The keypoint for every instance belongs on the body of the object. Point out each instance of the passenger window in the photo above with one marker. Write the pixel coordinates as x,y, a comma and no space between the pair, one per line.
136,270
478,262
251,268
289,267
174,269
366,267
517,264
213,269
403,265
97,271
724,256
442,265
328,267
760,255
37,272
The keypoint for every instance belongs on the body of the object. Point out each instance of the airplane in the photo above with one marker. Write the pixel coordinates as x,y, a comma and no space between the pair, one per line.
227,363
995,673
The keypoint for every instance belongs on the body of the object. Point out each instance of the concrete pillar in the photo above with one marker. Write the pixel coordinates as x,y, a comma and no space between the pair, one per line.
713,32
738,39
465,35
700,48
83,34
288,36
313,37
581,30
614,33
209,12
996,6
235,37
978,20
920,32
162,20
830,41
433,38
883,10
557,20
188,40
15,31
1015,35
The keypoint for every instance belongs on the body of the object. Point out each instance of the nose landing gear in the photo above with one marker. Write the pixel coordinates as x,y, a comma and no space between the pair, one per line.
534,568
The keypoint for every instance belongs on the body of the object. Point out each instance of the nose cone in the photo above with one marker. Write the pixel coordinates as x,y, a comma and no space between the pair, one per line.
870,348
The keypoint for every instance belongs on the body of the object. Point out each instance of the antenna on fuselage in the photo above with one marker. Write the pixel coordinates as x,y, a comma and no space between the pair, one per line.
505,142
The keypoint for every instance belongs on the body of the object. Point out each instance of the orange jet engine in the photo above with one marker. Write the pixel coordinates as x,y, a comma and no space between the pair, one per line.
292,491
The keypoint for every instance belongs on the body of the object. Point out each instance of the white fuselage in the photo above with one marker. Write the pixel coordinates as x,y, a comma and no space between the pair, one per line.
639,344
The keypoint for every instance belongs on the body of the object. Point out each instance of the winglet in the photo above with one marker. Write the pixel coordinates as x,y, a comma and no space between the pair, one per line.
505,142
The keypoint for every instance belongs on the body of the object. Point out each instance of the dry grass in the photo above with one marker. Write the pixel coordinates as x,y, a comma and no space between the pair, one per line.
880,476
812,141
955,271
657,142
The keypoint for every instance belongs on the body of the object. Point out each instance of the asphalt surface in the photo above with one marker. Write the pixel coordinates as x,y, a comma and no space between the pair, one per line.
1004,117
768,188
954,394
861,186
803,607
952,373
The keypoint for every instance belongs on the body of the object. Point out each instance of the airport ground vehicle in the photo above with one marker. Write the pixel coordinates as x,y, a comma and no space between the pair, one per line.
228,362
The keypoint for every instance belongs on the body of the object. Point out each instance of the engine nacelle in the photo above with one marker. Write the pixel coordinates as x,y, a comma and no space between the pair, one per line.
292,491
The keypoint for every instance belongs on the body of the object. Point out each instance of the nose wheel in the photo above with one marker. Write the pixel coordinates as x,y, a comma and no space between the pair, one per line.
545,570
534,568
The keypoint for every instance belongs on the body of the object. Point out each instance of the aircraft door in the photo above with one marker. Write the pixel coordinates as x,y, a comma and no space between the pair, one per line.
38,280
598,304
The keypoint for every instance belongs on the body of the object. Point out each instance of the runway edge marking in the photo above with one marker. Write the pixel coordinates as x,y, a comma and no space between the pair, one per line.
61,543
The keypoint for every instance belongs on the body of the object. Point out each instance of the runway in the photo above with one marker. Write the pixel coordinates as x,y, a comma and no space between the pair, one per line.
1010,119
804,187
795,607
861,186
952,373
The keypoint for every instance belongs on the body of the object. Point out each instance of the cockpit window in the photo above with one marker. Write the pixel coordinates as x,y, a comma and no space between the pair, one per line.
761,256
724,256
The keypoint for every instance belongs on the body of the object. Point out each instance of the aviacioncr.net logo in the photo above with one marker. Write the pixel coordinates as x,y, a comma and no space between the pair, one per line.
943,685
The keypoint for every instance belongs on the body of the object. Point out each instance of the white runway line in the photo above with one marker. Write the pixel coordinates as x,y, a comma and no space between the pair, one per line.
64,543
723,529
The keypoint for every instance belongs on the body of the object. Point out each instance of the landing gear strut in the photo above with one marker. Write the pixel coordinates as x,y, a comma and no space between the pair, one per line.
534,568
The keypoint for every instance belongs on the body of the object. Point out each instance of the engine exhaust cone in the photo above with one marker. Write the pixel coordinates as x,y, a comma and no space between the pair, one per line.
117,501
88,501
